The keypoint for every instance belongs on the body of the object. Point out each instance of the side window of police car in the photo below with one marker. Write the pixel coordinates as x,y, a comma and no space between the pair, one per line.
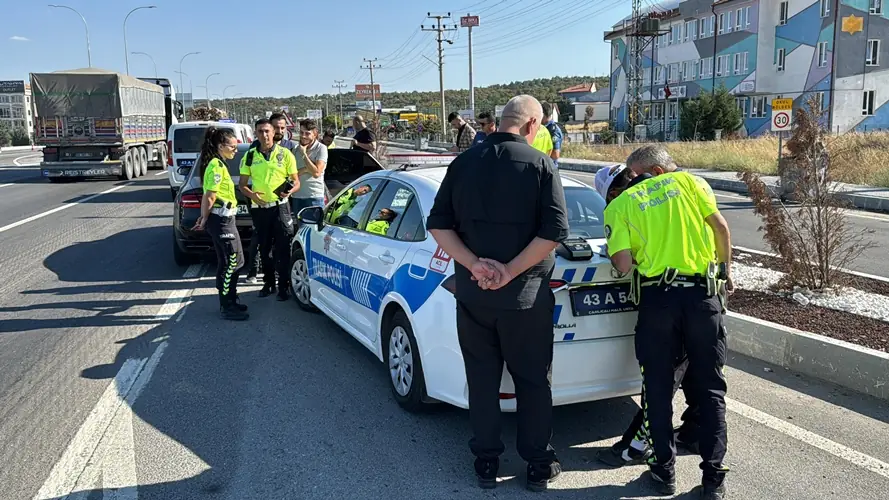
390,210
350,204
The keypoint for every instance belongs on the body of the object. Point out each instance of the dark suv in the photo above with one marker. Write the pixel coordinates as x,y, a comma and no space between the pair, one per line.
343,167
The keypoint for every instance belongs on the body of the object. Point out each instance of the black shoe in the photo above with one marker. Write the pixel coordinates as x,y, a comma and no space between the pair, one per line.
539,476
664,481
712,492
486,473
236,302
620,455
283,294
267,290
230,311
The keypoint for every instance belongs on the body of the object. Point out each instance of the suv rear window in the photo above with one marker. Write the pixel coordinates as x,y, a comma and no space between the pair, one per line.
188,140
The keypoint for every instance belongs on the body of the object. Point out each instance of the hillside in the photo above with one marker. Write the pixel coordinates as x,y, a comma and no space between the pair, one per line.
486,97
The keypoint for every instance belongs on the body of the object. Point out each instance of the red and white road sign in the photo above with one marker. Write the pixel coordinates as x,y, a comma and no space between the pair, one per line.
780,121
468,21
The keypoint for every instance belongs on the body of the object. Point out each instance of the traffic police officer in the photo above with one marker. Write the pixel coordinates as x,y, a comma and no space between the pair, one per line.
671,228
499,213
218,210
272,169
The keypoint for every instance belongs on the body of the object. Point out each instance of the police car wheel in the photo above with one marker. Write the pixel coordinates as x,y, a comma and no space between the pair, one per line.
299,280
403,362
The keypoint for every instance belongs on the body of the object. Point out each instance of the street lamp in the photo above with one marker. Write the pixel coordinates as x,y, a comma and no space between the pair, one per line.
207,86
126,53
89,56
190,88
148,56
181,73
233,106
224,105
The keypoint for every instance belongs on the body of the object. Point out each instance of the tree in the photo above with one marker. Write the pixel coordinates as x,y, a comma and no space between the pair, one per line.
19,137
5,134
701,117
332,122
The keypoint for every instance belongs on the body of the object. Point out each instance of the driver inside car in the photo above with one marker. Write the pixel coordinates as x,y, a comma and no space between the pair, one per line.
380,225
347,202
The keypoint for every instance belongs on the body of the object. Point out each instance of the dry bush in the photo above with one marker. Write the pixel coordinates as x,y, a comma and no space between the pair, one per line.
812,239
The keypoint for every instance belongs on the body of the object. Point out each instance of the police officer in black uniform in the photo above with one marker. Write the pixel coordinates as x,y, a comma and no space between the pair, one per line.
500,212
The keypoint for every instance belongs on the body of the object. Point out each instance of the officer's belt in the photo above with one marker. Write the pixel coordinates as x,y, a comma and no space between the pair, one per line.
223,211
679,280
270,204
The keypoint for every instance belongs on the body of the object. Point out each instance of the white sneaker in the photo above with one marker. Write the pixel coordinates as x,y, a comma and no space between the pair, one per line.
252,280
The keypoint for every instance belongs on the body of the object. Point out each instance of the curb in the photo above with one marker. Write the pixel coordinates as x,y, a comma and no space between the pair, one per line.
847,365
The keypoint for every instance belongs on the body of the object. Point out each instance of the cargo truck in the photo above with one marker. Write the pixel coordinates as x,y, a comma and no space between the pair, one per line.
98,123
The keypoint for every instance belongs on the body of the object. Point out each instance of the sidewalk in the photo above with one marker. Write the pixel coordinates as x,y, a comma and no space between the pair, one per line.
862,197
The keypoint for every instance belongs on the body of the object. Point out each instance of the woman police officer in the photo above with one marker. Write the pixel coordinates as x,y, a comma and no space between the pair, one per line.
218,210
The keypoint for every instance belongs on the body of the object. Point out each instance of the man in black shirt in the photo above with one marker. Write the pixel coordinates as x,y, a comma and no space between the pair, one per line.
364,139
500,212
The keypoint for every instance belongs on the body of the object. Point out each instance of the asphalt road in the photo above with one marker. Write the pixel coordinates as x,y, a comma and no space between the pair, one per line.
117,379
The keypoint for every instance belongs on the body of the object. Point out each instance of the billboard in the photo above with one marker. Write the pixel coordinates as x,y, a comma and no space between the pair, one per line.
12,86
364,92
468,21
369,105
314,114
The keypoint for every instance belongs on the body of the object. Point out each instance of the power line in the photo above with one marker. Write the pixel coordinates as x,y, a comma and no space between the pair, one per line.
439,29
373,91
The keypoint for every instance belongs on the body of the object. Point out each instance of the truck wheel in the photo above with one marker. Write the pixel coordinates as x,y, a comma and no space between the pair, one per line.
161,156
143,161
127,173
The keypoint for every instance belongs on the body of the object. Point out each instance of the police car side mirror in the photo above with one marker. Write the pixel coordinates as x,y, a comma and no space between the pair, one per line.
311,215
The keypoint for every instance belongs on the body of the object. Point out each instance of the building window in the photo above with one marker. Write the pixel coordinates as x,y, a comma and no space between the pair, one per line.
747,16
4,113
825,7
673,110
646,76
614,50
728,24
758,107
872,56
702,28
783,11
4,99
657,111
822,54
742,105
694,70
658,74
677,33
739,24
780,60
867,103
721,29
876,6
674,75
818,97
737,62
691,32
712,24
744,57
18,112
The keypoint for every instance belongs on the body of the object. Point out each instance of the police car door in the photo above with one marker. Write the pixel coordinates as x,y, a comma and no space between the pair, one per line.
328,257
378,252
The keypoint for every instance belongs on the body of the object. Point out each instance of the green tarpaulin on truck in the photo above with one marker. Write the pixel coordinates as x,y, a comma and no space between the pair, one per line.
95,93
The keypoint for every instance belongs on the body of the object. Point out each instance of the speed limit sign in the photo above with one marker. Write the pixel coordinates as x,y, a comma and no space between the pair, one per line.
782,114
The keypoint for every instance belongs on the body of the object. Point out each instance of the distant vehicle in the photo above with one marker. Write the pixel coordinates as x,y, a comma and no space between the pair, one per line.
174,110
184,143
394,291
343,167
98,123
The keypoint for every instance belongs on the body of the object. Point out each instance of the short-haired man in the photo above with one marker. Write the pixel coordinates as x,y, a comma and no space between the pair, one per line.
465,133
329,139
500,212
364,139
311,160
486,122
555,132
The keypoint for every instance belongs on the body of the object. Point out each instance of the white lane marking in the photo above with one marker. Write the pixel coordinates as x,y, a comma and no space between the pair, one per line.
866,462
60,208
164,172
7,184
79,461
840,269
15,161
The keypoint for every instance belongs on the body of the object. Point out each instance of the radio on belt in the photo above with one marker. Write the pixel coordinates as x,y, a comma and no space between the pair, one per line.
575,248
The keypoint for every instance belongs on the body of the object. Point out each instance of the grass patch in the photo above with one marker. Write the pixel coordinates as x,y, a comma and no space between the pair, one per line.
856,158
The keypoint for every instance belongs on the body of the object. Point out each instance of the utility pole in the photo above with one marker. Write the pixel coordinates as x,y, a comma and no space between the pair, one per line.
439,30
468,21
373,91
340,85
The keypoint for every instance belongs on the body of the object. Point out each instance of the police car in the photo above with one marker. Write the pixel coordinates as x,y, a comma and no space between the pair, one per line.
366,261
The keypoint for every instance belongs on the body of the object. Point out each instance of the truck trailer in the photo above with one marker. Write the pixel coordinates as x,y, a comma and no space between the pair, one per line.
98,123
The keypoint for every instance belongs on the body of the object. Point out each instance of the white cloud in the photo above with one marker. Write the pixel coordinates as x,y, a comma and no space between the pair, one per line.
17,38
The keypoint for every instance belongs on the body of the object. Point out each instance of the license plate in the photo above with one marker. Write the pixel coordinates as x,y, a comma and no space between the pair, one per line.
186,163
243,209
601,299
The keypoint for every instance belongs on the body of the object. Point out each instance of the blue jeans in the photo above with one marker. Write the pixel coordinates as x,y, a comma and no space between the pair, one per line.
297,204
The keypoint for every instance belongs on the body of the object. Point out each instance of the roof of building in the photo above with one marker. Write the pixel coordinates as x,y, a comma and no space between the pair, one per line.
581,87
601,95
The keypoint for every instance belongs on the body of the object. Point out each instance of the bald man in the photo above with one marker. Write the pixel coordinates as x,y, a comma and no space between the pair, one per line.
500,212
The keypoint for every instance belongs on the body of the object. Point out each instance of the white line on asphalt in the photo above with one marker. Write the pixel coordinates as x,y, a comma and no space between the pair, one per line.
97,431
7,184
59,209
163,172
866,462
15,161
840,269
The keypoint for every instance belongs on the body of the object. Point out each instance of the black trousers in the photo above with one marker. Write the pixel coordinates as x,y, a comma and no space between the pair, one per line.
253,260
524,340
689,430
229,253
673,320
275,227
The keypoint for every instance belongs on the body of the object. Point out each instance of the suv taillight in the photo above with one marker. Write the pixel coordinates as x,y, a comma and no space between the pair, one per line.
170,153
190,201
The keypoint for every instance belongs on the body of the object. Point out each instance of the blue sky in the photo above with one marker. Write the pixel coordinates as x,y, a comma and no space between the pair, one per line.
298,47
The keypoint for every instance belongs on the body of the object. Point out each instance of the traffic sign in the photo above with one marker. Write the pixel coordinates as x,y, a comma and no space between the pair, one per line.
468,21
782,114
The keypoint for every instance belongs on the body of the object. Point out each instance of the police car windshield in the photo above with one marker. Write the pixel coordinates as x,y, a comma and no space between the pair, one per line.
585,212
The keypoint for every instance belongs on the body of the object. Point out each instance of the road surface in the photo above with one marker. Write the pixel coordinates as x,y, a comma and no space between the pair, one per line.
118,380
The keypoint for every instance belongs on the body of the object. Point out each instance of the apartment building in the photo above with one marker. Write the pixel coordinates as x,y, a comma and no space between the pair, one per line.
16,106
759,50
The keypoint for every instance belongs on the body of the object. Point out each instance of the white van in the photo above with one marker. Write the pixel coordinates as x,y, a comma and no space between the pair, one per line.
184,144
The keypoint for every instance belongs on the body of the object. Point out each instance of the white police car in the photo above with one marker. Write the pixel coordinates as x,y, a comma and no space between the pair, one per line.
391,287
